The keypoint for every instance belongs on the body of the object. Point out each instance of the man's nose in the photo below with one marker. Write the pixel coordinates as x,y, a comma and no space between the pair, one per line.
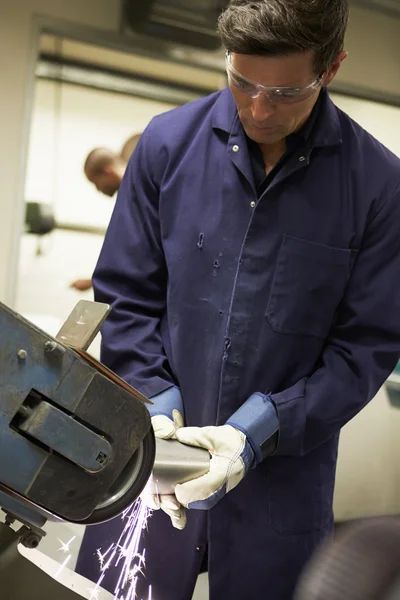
262,108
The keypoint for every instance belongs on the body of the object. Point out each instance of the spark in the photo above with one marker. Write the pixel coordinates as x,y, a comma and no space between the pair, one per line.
65,547
101,556
62,566
126,554
94,593
136,569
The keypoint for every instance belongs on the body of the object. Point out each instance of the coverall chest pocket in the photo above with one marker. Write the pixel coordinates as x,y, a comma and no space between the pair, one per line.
308,285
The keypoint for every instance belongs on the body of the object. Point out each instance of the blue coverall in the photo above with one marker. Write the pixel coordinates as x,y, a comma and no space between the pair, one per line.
224,292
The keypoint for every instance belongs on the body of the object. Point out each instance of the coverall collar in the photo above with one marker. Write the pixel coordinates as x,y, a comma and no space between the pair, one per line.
328,131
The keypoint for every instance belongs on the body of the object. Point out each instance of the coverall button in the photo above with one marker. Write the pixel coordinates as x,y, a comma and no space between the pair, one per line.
301,158
235,148
252,204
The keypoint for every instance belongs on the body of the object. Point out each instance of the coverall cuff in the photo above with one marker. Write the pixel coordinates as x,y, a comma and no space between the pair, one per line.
257,419
291,409
153,386
166,402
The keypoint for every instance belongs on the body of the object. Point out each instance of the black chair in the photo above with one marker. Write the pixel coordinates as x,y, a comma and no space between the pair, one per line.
361,562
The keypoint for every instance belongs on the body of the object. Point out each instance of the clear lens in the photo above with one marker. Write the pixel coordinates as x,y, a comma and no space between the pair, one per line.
291,96
275,95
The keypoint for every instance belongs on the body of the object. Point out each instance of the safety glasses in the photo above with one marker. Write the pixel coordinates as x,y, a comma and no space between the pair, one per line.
276,95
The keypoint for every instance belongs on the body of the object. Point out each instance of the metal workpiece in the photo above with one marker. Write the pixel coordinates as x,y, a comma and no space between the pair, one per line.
176,463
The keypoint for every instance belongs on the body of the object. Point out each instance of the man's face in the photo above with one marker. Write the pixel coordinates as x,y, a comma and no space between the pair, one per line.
106,182
268,122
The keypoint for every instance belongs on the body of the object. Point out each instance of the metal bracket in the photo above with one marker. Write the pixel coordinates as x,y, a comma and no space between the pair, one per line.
83,324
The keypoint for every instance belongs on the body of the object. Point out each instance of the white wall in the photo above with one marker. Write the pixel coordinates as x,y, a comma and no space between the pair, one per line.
368,475
381,120
373,44
69,121
17,56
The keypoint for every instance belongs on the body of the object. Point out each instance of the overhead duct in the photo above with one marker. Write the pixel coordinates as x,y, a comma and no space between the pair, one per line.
192,24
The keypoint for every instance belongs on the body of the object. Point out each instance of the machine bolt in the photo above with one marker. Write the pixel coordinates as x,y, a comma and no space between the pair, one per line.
9,520
51,347
22,354
31,540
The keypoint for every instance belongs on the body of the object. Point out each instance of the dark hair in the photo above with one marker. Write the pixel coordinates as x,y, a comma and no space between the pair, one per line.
283,27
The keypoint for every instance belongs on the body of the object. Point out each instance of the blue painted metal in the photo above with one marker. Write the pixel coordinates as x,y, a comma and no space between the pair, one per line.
67,427
56,429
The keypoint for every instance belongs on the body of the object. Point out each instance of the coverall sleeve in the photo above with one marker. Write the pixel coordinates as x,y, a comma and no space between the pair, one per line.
131,276
362,348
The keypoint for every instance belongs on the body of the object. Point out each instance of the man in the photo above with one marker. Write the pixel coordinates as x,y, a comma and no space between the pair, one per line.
105,169
265,310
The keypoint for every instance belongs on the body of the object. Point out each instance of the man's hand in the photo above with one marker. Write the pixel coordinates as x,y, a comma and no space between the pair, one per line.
231,458
165,427
81,285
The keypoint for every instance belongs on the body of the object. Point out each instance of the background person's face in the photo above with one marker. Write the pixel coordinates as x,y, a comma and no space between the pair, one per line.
107,182
263,121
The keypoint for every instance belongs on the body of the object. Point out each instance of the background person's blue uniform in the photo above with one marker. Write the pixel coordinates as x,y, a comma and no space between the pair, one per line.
225,293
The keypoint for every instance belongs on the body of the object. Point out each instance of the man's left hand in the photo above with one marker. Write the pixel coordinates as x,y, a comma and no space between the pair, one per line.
231,458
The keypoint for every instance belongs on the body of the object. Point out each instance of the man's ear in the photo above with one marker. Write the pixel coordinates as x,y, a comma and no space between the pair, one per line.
330,76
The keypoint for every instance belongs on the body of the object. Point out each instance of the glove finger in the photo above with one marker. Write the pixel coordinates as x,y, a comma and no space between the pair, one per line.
180,521
163,427
177,516
178,419
169,501
151,500
196,436
199,489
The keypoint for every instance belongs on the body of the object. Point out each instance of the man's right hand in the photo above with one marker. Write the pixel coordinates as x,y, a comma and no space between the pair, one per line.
165,428
82,285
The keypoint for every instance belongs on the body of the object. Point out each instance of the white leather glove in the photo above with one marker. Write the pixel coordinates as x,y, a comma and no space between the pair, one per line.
245,440
165,427
231,458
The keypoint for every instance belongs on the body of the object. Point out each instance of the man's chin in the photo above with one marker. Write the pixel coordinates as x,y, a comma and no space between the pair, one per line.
265,135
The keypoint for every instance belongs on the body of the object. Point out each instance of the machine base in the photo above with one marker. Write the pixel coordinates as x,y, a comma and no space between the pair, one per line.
20,579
